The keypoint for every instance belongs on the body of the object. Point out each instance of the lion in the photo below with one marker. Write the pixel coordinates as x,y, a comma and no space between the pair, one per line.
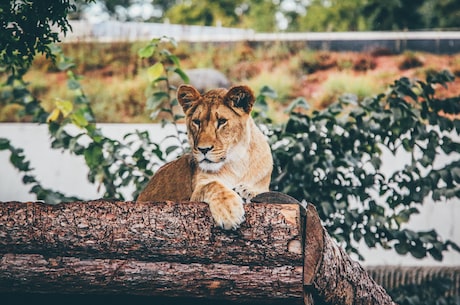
230,160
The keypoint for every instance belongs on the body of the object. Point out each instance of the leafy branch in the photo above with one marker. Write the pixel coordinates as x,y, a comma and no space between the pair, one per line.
112,164
333,158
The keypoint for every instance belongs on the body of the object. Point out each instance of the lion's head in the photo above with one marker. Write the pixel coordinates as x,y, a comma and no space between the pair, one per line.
217,123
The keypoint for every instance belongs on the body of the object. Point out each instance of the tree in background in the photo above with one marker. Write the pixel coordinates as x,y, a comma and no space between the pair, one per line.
393,14
260,15
290,15
208,13
27,30
125,10
334,15
442,13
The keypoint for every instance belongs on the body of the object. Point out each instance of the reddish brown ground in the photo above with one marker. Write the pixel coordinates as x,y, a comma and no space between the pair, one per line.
115,82
385,69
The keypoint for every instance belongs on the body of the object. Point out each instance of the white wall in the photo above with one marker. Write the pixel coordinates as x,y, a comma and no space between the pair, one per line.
54,168
67,173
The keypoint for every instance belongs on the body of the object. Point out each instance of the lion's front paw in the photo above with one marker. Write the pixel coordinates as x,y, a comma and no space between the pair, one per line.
245,194
228,211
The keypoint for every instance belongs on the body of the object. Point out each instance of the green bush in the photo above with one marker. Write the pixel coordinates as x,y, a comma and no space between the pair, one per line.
333,158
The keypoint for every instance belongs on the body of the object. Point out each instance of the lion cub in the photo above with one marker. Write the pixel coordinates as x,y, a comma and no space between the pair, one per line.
230,160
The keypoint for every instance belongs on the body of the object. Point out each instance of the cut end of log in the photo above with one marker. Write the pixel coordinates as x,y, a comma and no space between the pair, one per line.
295,246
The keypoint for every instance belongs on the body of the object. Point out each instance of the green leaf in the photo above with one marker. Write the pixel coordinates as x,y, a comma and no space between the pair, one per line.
155,71
436,254
174,59
407,145
73,84
147,51
453,245
93,155
64,106
65,65
299,102
18,160
28,179
411,235
157,99
182,75
171,149
418,251
402,248
4,143
78,118
370,239
52,198
269,92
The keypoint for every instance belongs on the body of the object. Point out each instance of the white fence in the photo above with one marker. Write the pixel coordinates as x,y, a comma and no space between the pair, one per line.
134,31
109,31
112,31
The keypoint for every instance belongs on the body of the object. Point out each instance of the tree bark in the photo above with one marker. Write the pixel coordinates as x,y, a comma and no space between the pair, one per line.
330,276
150,249
281,253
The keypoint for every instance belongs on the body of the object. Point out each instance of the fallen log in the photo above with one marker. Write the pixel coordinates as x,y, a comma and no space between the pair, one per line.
281,253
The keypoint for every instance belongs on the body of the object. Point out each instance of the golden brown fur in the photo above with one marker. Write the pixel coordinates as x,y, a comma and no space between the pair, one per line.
230,160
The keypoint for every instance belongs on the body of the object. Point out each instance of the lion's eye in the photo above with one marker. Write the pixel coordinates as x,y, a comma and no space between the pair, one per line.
221,122
196,122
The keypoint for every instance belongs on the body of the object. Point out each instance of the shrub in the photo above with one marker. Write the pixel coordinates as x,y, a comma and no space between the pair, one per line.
332,158
364,63
381,51
410,60
338,84
311,61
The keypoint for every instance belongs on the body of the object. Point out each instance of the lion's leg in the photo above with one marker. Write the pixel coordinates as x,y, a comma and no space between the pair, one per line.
225,205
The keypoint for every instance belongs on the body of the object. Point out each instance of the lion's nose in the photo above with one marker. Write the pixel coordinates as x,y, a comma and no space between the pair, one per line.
204,150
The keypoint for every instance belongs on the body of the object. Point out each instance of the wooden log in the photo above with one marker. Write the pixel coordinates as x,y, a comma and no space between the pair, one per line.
281,253
180,232
151,249
38,273
331,276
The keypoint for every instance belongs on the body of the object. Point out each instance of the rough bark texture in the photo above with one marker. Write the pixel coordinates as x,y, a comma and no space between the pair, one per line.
151,249
281,253
331,276
179,232
43,274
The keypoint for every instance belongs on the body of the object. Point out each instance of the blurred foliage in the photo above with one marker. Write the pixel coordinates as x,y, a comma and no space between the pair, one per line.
345,15
435,291
28,28
112,164
208,13
300,15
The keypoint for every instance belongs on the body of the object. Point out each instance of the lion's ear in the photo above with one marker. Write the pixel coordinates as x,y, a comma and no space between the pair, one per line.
186,95
240,97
